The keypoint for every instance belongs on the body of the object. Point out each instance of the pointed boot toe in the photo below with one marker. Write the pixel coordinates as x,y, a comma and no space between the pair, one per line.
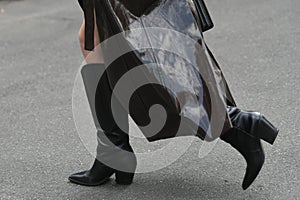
97,175
80,178
255,161
86,179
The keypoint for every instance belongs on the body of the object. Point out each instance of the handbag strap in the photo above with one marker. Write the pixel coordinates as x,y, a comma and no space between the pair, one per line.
88,9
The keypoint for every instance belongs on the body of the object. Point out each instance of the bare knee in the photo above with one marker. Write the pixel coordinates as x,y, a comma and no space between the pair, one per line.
94,56
81,34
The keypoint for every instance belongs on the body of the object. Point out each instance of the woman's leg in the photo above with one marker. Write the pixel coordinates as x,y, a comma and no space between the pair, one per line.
113,143
90,56
91,72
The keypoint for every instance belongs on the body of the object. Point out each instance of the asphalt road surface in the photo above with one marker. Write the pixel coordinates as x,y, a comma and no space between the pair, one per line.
257,45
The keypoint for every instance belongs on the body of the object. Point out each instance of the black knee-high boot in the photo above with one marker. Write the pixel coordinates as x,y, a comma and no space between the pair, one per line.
248,129
114,153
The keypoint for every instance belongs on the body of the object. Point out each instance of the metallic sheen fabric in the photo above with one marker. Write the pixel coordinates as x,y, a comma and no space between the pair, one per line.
165,50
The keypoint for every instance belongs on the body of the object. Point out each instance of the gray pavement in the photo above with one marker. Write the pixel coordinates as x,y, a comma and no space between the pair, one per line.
257,45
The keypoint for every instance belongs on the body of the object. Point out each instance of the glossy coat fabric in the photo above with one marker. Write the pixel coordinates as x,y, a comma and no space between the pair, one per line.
167,53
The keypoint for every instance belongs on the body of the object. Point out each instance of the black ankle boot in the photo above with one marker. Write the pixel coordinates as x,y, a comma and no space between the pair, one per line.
100,174
97,175
248,129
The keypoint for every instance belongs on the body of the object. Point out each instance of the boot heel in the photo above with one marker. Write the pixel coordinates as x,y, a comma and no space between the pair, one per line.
124,178
267,131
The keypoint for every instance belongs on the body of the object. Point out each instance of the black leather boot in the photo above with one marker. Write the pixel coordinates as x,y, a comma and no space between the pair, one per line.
114,153
111,160
100,174
248,128
97,175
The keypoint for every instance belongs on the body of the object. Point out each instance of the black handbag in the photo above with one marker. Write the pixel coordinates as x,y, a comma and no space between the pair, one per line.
205,19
